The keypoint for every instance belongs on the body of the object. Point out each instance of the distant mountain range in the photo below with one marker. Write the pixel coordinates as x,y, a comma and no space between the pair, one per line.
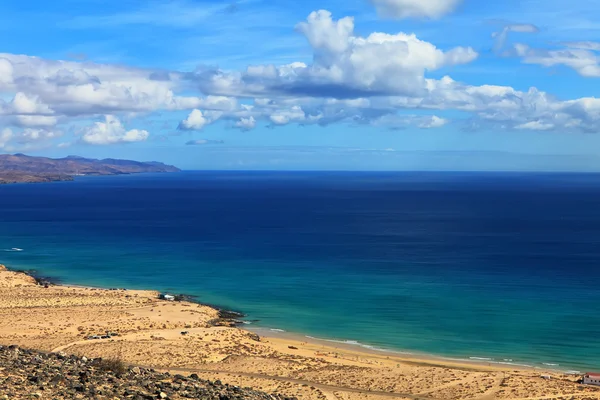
15,168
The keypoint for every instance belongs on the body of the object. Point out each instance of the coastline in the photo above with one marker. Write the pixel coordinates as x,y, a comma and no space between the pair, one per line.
182,337
234,318
411,355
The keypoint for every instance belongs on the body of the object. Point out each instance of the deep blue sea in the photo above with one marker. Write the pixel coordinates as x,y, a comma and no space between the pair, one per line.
484,265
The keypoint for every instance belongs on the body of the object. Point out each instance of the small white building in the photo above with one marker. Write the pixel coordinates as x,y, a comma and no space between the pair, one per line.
168,297
591,378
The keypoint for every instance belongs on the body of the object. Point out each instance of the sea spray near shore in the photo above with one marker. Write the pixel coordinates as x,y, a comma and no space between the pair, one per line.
457,265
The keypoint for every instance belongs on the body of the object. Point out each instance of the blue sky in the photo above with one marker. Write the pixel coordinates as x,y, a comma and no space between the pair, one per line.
264,84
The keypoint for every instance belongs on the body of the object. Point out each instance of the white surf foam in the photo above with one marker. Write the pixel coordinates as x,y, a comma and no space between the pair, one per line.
356,343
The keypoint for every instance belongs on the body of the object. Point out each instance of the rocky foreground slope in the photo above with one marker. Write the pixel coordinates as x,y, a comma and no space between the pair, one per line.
27,374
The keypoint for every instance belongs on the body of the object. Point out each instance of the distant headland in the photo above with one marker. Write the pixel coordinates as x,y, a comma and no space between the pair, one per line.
20,168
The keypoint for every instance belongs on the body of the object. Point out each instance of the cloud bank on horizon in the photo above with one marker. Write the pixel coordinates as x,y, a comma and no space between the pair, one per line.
214,71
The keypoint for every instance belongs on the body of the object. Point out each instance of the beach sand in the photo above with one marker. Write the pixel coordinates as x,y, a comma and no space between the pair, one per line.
61,318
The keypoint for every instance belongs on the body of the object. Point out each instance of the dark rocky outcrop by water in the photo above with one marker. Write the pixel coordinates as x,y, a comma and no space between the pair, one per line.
31,374
41,280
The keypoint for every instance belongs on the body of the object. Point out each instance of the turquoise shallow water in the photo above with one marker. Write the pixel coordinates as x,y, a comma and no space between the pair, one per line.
462,265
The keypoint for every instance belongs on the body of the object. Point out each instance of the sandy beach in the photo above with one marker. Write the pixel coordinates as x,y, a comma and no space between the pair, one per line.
149,334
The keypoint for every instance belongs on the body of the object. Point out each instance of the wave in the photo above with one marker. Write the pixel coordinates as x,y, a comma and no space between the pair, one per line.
515,364
13,249
276,330
481,358
551,364
356,343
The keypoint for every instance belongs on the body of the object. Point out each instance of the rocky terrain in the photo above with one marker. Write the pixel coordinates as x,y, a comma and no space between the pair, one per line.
22,168
31,374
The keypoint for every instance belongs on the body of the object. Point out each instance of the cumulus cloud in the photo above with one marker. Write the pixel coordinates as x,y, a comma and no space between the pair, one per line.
76,89
111,131
246,124
379,63
28,111
200,142
379,78
415,8
507,108
197,120
432,122
285,116
345,65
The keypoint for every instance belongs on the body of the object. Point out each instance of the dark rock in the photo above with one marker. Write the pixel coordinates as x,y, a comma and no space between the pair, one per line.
39,375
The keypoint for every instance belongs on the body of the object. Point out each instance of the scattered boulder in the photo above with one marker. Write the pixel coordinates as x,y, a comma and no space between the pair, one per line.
32,374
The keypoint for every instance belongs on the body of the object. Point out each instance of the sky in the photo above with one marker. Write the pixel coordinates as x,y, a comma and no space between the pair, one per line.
332,84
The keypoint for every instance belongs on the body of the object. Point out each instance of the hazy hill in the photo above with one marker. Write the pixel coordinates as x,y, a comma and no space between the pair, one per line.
22,168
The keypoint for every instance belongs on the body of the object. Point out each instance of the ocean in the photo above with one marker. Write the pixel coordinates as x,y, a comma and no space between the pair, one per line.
490,266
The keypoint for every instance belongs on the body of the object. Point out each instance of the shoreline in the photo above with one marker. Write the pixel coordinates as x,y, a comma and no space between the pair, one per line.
137,329
234,318
411,355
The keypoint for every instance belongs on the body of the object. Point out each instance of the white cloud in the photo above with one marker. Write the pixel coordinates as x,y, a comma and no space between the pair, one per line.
285,116
194,121
246,124
587,45
30,135
432,122
111,131
28,111
27,139
197,120
345,65
35,121
216,103
415,8
24,104
6,71
200,142
5,136
585,62
580,56
373,78
502,36
399,121
535,126
75,89
380,62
